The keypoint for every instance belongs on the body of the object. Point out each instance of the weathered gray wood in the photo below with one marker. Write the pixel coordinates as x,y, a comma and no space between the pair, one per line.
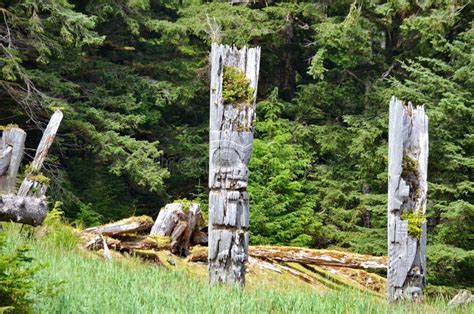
27,210
181,222
11,153
48,137
124,226
464,297
231,137
308,257
407,192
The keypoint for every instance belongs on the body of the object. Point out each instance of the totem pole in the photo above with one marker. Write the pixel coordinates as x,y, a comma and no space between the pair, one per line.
407,193
234,78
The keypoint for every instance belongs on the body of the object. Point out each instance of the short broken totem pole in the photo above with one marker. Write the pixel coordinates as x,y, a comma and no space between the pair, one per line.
407,194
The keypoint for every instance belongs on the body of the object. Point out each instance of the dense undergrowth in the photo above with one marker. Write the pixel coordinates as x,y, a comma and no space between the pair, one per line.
72,280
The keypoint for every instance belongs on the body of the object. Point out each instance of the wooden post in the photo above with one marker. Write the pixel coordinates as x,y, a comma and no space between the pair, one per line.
11,153
230,147
407,193
43,147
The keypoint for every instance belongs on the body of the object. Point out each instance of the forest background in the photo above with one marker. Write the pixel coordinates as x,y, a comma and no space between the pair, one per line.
132,77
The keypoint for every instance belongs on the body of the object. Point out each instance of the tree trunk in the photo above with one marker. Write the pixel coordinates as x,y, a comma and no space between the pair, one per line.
230,147
407,192
181,222
27,210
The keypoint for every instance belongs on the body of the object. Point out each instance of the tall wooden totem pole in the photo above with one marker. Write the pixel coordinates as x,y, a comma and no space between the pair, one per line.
234,78
407,193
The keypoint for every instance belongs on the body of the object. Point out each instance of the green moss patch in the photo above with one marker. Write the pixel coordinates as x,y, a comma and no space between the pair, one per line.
415,220
236,88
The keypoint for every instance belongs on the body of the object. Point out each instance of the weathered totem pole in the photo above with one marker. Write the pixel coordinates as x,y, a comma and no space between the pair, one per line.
407,193
234,77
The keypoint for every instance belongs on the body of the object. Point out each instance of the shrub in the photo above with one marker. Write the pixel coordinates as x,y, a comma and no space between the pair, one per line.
87,217
450,266
57,233
17,271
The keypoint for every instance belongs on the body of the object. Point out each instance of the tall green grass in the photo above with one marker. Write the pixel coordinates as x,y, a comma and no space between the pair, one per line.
88,284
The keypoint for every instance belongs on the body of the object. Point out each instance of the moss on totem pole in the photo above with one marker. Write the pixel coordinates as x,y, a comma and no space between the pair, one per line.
415,221
236,87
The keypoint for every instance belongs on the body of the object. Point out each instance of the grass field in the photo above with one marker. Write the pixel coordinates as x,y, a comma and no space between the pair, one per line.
85,283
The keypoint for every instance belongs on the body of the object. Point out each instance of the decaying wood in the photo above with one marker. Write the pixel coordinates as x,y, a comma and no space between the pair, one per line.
30,183
230,147
312,266
464,297
319,257
126,243
11,152
306,256
407,192
148,256
26,210
181,222
129,225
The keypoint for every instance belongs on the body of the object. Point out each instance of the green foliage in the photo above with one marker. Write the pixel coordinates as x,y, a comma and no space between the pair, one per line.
87,217
415,221
58,234
450,266
236,88
458,225
280,212
17,278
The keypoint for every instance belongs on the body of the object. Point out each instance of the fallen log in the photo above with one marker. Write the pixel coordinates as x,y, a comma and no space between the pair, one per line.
180,221
129,225
126,243
306,256
26,210
319,257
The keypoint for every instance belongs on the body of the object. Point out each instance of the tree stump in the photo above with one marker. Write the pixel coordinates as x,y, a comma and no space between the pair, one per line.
234,78
181,222
407,193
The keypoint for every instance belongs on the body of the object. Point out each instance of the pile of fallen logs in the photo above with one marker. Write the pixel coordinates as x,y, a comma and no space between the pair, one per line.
177,227
179,230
